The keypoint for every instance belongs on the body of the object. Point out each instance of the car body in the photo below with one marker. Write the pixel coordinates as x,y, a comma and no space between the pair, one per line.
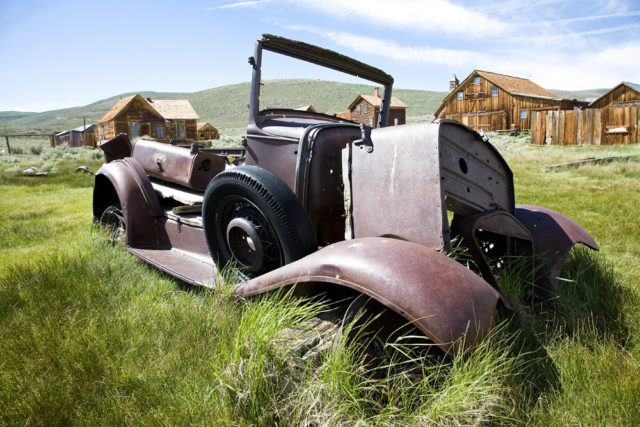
333,206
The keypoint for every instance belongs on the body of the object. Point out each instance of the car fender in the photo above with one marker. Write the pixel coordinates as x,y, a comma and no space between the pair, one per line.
553,237
125,181
446,301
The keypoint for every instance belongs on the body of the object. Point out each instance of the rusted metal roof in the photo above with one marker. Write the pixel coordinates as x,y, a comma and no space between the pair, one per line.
376,101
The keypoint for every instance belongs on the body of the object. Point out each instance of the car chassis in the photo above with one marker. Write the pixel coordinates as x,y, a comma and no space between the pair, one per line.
330,205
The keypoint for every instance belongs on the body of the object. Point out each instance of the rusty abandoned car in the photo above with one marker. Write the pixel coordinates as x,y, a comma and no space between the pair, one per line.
330,205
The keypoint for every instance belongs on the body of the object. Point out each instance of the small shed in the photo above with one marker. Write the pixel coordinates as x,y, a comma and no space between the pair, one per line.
207,132
78,137
620,112
366,109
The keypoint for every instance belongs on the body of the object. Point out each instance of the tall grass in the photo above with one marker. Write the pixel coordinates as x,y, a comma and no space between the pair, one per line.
90,335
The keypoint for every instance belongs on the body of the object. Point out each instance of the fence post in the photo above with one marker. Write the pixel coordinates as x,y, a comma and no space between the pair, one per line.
8,146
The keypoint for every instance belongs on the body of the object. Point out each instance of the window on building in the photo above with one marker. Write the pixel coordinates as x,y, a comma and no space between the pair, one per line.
133,130
101,131
366,110
476,80
494,91
370,122
523,114
180,129
395,121
159,131
358,109
460,95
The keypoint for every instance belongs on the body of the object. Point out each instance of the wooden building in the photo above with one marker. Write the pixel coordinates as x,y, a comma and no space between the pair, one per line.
620,112
207,132
366,109
161,119
490,101
78,137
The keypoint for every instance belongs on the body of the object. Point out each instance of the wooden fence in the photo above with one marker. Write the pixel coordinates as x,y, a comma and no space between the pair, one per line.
594,126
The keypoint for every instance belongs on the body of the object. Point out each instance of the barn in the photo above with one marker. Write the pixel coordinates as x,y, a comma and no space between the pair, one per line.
207,132
161,119
366,109
490,101
620,112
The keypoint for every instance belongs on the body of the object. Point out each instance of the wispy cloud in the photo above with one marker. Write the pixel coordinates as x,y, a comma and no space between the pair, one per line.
251,3
427,16
592,18
558,68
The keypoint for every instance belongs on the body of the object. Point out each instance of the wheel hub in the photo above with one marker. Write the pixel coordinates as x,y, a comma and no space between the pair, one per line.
245,243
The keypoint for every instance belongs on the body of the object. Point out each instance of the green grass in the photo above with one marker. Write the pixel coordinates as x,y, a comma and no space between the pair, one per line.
91,335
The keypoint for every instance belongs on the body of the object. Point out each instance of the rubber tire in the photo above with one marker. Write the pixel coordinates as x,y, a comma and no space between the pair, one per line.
278,205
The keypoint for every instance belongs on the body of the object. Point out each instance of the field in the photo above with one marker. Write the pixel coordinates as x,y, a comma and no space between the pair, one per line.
90,335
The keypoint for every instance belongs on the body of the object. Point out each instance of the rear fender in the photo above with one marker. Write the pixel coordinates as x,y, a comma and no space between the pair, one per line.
125,181
450,304
553,237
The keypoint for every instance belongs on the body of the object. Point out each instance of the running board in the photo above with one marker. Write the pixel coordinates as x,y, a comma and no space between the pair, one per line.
185,266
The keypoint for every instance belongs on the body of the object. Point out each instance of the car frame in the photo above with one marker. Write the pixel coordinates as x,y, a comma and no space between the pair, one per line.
337,208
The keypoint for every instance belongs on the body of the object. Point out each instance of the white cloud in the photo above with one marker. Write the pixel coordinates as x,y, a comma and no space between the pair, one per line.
433,16
558,68
251,3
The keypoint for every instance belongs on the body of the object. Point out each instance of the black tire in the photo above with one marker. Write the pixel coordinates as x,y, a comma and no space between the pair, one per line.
253,220
113,219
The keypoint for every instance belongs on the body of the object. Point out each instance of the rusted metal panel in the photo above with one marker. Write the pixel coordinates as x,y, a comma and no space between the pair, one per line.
395,188
189,168
446,301
553,237
137,198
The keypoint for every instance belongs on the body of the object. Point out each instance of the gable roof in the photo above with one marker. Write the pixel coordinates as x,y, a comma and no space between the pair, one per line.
203,125
376,101
516,86
633,86
122,105
168,109
174,109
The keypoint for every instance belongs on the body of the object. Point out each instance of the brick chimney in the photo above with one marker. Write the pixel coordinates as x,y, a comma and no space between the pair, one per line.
376,92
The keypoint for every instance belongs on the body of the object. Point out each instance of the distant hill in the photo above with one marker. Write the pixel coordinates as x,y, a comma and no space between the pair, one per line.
226,107
580,95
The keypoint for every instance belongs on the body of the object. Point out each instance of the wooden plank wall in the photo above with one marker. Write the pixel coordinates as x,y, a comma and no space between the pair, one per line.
571,127
627,116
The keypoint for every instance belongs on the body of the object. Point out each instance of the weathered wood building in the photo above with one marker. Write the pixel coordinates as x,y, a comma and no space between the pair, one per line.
620,111
613,118
78,137
207,132
490,101
366,109
161,119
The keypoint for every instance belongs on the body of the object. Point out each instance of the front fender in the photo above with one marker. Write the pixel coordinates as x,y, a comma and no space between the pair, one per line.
553,237
447,302
127,181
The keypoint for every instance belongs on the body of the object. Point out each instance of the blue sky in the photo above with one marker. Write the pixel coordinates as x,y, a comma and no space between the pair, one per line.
56,54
